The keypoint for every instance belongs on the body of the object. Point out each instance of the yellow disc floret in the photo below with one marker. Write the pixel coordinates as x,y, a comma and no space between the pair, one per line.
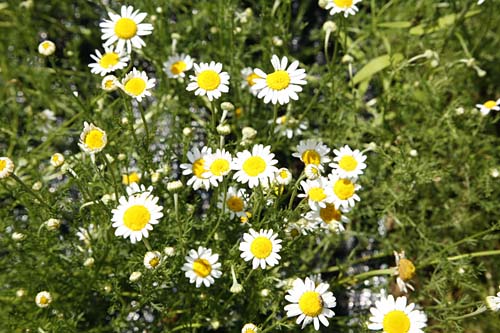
178,67
254,166
396,321
135,86
348,163
109,60
343,3
344,189
125,28
316,194
235,204
329,213
261,247
406,269
311,157
202,267
208,80
278,80
220,167
136,217
94,139
199,168
311,303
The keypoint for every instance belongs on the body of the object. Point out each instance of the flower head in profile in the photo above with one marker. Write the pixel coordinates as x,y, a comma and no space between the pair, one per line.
289,126
348,163
283,176
57,160
395,316
405,271
281,85
310,302
312,151
202,267
493,302
209,79
197,168
235,201
137,84
108,62
342,6
46,48
92,139
261,248
488,106
176,65
328,217
125,29
136,214
255,167
6,167
109,83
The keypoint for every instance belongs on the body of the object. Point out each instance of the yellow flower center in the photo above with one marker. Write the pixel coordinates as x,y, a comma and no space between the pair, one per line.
249,330
281,120
44,300
284,174
490,104
219,167
278,80
208,80
343,3
396,321
94,139
109,84
199,168
202,267
154,262
46,45
406,269
311,156
3,164
136,217
178,67
135,86
109,60
311,303
235,204
261,247
316,194
238,112
344,189
348,163
131,178
254,166
329,213
125,28
251,78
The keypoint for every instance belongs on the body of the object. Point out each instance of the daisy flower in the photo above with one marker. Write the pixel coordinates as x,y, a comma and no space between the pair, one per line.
488,106
218,165
348,163
235,201
108,62
209,80
339,6
109,83
57,160
202,267
261,247
43,299
289,126
317,191
134,217
394,316
310,302
328,217
152,259
312,151
46,48
283,176
92,139
197,168
6,167
405,271
249,328
281,85
137,84
255,167
344,191
248,81
313,171
126,29
177,65
493,302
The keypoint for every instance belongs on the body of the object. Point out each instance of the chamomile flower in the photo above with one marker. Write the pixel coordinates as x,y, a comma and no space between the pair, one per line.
137,84
256,167
395,316
109,83
489,106
328,217
152,259
345,6
313,171
218,165
348,163
46,48
248,81
405,271
209,80
92,139
344,191
108,62
177,65
493,302
283,176
281,85
261,247
236,201
43,299
131,178
317,192
310,302
57,160
289,126
197,168
125,29
6,167
202,267
134,217
312,152
249,328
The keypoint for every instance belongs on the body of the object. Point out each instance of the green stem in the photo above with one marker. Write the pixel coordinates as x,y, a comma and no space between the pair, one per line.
30,191
479,310
365,275
143,117
146,242
295,188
